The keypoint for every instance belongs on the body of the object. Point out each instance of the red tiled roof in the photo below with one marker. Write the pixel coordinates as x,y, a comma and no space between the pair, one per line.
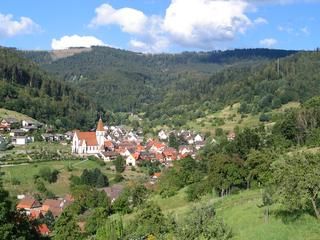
170,151
157,174
43,229
108,144
100,125
136,155
27,203
89,137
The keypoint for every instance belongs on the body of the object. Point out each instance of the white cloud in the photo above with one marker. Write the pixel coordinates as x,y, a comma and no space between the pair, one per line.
75,41
10,27
305,30
129,19
200,23
260,20
268,42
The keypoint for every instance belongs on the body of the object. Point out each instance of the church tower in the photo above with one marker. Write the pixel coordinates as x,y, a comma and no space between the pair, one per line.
100,133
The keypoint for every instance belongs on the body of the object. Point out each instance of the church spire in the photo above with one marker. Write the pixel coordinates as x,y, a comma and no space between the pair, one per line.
100,125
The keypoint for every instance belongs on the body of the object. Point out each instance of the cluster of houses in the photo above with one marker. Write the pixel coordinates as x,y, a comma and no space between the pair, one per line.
110,142
37,210
19,131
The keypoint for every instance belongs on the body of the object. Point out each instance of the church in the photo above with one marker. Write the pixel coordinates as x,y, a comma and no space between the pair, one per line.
89,143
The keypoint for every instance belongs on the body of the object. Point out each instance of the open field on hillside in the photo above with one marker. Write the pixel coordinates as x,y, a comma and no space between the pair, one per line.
229,117
242,212
4,113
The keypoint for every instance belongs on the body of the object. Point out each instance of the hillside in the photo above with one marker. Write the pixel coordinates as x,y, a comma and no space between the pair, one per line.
27,89
4,113
128,81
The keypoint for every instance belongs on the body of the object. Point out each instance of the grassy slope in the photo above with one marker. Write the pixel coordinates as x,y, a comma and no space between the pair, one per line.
4,113
231,118
243,214
25,173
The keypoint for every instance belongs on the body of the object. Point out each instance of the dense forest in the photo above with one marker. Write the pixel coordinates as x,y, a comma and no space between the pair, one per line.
27,89
127,81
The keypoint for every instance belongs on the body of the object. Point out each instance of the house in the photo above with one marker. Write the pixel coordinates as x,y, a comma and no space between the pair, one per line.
170,154
131,160
109,156
114,191
155,177
231,136
147,156
199,145
27,204
26,123
17,132
55,206
162,135
47,137
21,140
89,143
155,146
43,229
185,151
198,138
10,122
108,145
68,136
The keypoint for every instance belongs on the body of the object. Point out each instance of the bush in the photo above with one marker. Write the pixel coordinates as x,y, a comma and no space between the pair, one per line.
15,181
264,118
118,178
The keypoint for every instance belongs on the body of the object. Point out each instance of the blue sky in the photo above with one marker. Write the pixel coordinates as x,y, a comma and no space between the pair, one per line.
160,25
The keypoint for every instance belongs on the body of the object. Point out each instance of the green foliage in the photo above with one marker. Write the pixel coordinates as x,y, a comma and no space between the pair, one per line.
258,164
27,89
48,175
87,197
96,220
226,172
49,220
94,178
13,225
120,164
112,229
297,182
66,227
118,178
202,224
150,220
185,172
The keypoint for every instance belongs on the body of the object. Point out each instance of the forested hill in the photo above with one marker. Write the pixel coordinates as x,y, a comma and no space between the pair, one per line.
127,81
27,89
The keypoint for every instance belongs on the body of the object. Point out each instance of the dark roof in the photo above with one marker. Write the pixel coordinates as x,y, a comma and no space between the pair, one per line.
114,191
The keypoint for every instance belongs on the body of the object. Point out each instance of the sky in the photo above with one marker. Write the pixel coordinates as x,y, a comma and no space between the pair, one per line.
155,26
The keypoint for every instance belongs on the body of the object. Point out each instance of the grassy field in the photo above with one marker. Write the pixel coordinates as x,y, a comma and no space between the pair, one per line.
25,173
4,113
229,117
243,214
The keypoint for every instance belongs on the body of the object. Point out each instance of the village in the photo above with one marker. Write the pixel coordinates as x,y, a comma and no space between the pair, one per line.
106,143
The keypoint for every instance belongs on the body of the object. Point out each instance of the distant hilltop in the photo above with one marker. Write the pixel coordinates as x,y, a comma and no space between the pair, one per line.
63,53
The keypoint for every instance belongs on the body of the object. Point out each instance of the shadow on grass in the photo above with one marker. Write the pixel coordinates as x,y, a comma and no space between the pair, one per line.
289,216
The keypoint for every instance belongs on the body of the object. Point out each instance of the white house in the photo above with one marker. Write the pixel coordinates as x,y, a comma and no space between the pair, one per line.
162,135
130,160
198,138
89,143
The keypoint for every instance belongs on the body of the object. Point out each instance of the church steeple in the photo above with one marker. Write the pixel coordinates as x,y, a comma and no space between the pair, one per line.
100,133
100,125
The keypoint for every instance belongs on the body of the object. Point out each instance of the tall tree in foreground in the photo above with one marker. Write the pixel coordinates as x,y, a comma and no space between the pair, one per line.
203,224
14,225
297,181
66,227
